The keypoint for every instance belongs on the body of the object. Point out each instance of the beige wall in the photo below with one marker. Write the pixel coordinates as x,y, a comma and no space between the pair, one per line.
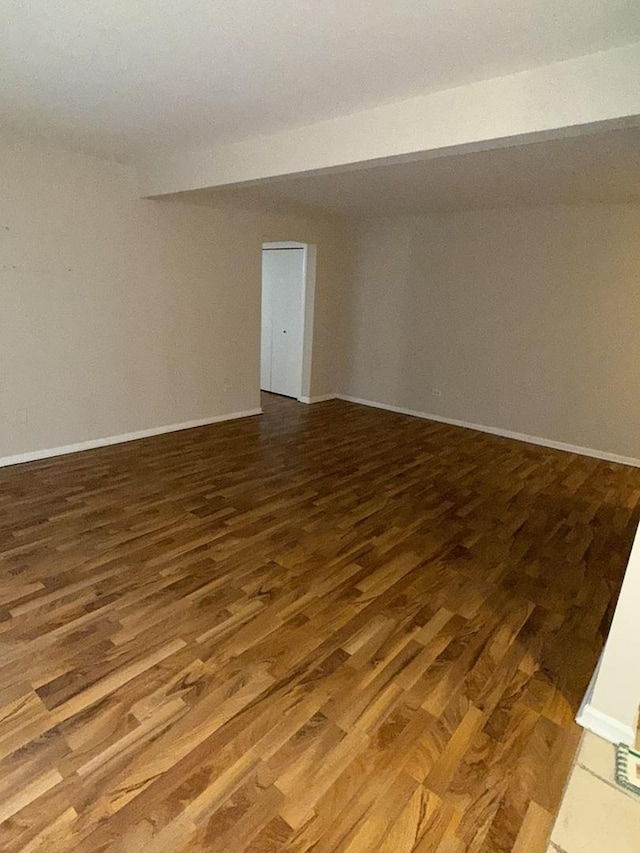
525,319
119,314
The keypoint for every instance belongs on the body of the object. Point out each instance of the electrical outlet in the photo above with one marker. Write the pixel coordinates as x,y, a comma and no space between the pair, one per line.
22,416
436,392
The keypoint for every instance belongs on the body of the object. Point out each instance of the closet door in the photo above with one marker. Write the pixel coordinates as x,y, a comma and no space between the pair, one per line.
282,312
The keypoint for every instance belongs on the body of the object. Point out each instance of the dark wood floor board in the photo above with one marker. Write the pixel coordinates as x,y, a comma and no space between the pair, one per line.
330,628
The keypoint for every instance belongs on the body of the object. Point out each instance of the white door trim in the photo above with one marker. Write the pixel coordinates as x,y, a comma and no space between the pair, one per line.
309,299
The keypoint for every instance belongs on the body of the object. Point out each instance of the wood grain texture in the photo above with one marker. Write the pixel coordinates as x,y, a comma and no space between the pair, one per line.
330,628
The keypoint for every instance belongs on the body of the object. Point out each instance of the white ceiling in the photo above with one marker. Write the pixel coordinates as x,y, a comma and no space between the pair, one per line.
120,77
599,168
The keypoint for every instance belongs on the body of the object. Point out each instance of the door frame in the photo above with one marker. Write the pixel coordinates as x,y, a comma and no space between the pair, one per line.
309,261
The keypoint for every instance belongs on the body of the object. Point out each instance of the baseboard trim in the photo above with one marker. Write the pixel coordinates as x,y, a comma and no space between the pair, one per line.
504,433
598,722
321,399
34,455
604,726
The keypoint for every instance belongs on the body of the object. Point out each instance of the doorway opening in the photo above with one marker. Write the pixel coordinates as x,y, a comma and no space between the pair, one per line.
288,285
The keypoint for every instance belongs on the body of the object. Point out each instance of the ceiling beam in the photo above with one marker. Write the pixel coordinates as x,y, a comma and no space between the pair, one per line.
579,95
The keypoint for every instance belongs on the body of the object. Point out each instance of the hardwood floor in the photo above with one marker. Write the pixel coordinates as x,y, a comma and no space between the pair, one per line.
328,628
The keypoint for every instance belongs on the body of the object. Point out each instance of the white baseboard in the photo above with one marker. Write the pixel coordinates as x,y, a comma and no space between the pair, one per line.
604,726
321,399
505,433
33,455
598,722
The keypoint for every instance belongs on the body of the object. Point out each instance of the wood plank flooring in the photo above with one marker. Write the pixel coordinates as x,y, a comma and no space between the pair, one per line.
328,628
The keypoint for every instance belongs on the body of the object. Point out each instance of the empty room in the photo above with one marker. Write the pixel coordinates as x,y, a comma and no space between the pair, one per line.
320,427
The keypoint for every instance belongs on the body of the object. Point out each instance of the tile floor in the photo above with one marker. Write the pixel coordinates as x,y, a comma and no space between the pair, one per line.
596,815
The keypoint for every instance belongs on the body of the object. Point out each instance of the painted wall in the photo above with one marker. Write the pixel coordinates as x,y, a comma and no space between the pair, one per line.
524,319
611,707
616,692
119,314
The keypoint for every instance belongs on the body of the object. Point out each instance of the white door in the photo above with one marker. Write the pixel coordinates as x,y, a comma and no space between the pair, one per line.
282,318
